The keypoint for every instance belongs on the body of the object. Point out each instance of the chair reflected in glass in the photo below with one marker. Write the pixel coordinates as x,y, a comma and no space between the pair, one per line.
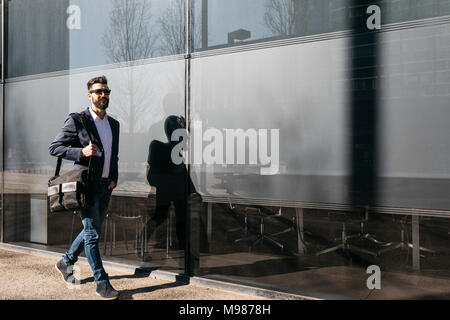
345,245
128,211
260,236
255,220
404,242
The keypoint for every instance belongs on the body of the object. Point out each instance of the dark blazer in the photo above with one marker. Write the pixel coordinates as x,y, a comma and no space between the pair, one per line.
73,137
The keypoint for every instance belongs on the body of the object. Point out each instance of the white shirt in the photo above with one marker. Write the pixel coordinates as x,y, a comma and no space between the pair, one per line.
105,133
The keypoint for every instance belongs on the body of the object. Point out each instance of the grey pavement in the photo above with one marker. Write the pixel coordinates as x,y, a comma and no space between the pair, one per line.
32,276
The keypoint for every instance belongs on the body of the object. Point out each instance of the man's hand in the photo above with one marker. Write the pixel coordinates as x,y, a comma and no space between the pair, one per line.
89,151
112,185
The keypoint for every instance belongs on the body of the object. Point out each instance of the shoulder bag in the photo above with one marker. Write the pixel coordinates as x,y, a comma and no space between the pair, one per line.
70,191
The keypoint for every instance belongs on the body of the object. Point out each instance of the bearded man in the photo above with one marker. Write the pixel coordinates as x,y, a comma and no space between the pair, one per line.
101,156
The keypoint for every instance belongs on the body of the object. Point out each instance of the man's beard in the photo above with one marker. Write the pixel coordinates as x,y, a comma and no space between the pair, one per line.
101,105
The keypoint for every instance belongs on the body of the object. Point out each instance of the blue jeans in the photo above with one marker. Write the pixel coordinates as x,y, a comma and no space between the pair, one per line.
88,239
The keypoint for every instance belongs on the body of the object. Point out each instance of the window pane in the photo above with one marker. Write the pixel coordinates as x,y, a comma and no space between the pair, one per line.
226,23
361,179
52,35
414,137
408,10
38,40
144,93
236,22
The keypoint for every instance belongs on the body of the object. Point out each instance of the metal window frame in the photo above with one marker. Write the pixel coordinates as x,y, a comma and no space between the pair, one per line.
2,114
189,255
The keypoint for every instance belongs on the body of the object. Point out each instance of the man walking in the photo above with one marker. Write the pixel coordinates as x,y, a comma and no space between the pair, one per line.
73,144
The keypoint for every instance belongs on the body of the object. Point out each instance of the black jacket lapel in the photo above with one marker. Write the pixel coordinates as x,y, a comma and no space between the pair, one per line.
114,129
93,129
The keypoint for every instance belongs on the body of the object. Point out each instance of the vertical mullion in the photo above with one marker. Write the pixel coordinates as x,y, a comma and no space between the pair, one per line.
2,122
204,24
187,61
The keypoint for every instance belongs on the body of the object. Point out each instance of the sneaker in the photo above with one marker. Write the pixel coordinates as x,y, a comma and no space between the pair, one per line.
65,270
106,291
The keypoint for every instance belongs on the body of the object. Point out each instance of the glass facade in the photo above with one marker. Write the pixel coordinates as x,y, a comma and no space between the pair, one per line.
317,150
69,43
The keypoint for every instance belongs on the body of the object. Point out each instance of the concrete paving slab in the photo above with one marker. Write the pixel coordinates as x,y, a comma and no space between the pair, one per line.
30,276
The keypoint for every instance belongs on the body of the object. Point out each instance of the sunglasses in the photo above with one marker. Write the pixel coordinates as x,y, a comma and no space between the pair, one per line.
99,92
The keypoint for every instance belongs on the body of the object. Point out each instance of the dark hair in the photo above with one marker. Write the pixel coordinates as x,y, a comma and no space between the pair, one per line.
101,80
172,123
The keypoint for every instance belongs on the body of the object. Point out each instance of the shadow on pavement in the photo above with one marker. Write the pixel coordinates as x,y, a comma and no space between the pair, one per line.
128,294
141,273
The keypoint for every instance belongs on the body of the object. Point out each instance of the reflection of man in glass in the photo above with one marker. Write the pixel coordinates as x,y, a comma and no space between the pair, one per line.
170,105
171,181
101,155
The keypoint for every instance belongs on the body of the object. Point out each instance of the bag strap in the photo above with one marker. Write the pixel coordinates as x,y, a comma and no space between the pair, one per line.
59,161
58,167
